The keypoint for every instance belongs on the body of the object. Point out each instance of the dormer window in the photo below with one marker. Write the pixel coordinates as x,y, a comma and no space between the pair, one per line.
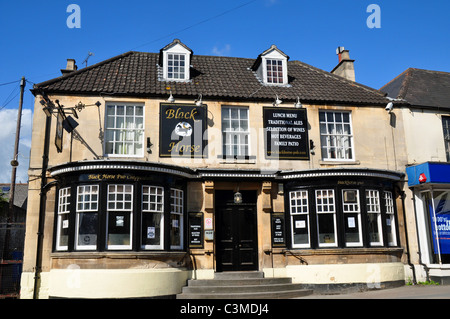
271,66
175,61
274,69
176,66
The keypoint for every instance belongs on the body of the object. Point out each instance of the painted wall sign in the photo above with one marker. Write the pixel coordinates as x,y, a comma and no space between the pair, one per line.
286,133
182,129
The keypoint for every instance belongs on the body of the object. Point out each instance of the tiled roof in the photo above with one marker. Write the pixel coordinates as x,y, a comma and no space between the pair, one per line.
419,87
215,77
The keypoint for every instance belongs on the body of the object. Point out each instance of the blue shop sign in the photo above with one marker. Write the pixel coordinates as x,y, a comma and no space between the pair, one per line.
428,173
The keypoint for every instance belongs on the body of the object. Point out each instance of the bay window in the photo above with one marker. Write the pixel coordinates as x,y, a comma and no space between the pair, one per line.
111,216
341,217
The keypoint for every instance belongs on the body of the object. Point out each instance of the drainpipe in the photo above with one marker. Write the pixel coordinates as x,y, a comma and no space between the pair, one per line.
42,206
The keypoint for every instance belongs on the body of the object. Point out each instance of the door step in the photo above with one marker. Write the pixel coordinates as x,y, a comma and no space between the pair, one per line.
242,285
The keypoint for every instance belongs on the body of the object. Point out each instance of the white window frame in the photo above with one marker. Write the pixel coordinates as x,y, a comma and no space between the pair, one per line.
230,146
119,205
299,205
326,208
113,131
390,217
352,208
174,60
155,206
269,79
177,208
373,207
63,211
337,137
90,206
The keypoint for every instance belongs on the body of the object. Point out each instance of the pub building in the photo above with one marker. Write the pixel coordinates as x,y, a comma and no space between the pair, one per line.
151,169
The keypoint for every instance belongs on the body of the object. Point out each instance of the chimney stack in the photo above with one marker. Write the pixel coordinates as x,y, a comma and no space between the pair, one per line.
71,66
345,67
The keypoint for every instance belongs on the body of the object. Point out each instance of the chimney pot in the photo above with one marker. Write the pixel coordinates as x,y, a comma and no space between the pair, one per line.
345,67
70,67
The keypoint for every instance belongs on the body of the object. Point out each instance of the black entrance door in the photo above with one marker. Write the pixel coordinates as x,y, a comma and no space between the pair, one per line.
236,229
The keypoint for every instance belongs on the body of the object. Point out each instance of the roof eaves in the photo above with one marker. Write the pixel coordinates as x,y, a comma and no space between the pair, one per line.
36,86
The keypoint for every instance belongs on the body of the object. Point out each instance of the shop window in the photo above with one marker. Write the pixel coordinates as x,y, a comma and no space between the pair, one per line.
235,131
446,128
343,218
62,228
176,218
326,218
87,217
299,219
374,217
437,208
152,217
336,135
352,217
124,132
119,216
390,219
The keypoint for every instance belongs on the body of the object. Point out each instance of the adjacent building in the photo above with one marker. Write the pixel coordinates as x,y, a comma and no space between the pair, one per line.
148,169
426,121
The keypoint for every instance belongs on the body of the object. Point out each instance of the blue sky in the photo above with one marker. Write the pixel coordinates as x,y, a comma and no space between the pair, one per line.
35,40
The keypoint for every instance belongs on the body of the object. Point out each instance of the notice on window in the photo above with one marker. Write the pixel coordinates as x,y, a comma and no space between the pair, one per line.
286,133
182,130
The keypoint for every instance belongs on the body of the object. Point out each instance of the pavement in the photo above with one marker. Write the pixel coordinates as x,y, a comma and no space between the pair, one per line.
404,292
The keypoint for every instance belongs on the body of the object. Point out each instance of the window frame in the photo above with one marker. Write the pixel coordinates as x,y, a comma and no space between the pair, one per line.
133,130
390,218
229,133
63,210
170,59
374,202
446,135
154,211
331,212
89,210
347,211
176,209
124,210
325,149
269,79
301,195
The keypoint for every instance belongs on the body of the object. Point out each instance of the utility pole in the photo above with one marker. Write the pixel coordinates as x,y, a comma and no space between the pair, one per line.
14,162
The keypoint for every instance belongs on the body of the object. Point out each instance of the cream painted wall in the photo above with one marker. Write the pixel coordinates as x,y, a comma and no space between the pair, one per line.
374,137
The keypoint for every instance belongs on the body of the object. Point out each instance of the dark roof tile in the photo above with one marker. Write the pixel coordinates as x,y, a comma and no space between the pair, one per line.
137,73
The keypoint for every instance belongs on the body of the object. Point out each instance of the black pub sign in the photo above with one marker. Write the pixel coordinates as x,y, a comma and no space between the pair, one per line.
286,133
182,130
